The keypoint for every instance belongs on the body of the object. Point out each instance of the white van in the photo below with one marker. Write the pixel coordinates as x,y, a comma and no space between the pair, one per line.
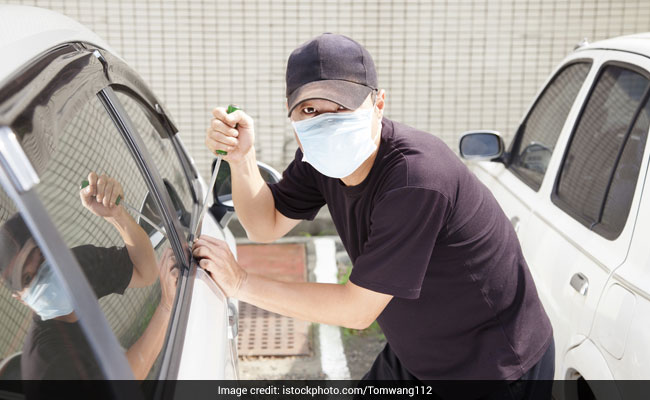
572,183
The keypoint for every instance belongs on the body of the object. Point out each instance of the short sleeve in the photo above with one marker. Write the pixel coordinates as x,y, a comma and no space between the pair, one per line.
108,269
404,226
297,195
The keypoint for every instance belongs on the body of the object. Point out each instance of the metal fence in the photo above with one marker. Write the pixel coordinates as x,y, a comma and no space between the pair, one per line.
447,66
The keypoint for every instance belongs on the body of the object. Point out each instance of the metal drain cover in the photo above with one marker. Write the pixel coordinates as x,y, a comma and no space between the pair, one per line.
263,333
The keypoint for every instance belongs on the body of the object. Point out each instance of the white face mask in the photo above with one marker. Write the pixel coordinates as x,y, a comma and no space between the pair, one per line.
336,144
47,296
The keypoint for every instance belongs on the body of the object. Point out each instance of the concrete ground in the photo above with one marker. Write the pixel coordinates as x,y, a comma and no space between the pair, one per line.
359,347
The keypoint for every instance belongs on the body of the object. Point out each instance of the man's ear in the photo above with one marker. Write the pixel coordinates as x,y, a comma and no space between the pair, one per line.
381,101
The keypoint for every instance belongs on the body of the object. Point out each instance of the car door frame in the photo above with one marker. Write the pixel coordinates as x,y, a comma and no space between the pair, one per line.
127,81
85,68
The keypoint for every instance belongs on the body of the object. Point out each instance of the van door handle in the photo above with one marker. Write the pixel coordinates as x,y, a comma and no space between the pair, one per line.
580,283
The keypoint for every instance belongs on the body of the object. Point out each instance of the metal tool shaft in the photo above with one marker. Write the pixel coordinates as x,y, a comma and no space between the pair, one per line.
213,178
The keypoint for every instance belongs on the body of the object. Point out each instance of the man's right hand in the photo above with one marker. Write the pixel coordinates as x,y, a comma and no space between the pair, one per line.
232,133
101,195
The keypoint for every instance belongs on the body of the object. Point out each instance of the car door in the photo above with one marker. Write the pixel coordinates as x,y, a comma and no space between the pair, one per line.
620,326
211,318
63,129
140,312
580,227
623,316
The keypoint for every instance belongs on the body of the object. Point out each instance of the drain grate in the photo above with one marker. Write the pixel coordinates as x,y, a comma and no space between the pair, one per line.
263,333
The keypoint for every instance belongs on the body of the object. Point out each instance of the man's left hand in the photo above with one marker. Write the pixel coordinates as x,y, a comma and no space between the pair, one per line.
215,258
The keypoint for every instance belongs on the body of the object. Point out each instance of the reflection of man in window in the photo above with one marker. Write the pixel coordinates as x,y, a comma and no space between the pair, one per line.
55,346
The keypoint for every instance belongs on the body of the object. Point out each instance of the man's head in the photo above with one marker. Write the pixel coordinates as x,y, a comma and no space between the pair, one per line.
330,67
24,271
20,257
335,106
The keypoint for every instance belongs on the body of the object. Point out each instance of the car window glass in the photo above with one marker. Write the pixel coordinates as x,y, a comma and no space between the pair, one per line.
621,192
30,287
164,156
538,134
127,263
607,140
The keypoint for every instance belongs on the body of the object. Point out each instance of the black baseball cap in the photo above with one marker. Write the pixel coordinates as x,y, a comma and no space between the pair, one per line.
13,236
330,67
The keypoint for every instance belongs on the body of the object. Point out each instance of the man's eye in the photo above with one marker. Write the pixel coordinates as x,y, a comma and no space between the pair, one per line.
27,279
309,110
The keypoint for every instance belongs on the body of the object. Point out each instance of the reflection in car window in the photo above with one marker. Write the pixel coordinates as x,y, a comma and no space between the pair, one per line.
129,276
162,152
538,134
608,140
24,275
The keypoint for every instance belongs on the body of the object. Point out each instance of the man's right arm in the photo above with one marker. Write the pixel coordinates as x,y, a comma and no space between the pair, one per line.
255,205
234,133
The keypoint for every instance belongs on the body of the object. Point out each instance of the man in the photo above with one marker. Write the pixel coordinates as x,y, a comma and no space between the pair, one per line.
435,259
55,346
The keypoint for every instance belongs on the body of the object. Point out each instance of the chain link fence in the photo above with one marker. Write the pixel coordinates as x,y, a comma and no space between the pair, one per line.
447,66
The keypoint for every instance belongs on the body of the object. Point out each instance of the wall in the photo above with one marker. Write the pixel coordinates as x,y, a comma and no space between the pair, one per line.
447,66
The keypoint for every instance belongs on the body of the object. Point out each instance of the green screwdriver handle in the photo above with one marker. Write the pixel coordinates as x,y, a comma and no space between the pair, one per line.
231,108
85,183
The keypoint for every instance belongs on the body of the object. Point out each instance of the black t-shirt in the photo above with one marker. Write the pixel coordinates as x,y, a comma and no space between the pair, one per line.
424,229
59,350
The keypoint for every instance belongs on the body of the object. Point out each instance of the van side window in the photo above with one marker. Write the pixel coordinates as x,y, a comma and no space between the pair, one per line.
537,135
598,176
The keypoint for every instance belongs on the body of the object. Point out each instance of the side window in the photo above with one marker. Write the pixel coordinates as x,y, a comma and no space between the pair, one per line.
538,134
30,347
162,151
131,270
598,177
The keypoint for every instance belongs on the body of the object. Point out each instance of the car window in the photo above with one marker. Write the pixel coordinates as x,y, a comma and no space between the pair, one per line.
165,158
129,264
599,173
538,134
32,347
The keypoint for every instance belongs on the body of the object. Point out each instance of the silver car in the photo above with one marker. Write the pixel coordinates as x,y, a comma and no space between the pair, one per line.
70,108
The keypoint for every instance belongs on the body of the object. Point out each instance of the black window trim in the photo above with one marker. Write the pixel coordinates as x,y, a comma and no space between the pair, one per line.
514,146
180,312
596,226
170,130
122,75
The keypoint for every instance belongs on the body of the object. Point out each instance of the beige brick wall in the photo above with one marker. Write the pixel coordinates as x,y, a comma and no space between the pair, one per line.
448,66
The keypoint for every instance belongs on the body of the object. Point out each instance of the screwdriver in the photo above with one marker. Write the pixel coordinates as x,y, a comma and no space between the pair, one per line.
85,183
213,179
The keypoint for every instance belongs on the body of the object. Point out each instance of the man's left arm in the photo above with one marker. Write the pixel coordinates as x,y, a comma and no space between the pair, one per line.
346,305
143,353
394,262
